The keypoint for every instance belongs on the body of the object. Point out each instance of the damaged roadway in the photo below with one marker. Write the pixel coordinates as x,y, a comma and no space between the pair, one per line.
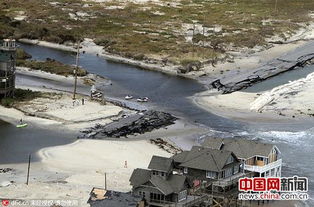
289,61
139,123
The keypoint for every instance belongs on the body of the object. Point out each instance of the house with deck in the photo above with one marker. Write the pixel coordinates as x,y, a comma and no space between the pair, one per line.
260,159
209,167
158,185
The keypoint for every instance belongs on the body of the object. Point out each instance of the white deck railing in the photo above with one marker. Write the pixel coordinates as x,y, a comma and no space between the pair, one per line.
265,168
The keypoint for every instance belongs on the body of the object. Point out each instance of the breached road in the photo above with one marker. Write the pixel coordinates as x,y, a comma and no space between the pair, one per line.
289,61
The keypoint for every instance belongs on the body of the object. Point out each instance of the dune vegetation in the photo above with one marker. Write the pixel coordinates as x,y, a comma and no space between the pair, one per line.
179,32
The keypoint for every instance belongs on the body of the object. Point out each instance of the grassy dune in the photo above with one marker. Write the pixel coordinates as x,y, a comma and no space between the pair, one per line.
160,30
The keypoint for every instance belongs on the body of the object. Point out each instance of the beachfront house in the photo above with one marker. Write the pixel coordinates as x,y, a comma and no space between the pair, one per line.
208,166
157,184
261,159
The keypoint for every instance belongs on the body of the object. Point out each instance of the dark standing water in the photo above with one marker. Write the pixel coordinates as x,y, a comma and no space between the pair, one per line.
16,144
166,92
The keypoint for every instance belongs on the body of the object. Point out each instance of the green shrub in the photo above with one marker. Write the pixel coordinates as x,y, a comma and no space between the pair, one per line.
7,102
22,55
51,66
20,95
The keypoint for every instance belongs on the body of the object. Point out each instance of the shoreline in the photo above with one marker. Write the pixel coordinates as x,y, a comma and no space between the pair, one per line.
240,106
215,104
58,108
90,47
241,64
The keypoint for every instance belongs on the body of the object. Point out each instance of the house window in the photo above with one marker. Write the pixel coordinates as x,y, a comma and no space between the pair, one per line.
182,195
228,172
230,160
143,193
235,169
162,197
156,197
259,159
210,174
162,174
185,170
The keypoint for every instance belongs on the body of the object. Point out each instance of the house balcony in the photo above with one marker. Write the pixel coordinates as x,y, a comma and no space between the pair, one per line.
8,45
263,168
223,182
12,49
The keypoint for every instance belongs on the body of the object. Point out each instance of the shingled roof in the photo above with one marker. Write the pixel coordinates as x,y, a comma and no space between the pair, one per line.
173,184
139,177
203,158
162,164
241,147
180,157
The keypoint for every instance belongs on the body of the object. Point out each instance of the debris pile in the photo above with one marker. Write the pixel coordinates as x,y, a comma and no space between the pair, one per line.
5,170
168,147
135,124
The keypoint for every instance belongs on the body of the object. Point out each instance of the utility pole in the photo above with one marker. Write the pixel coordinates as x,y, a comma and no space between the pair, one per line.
276,5
105,181
29,166
76,69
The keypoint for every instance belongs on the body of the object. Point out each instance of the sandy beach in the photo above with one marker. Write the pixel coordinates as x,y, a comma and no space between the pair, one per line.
61,174
285,103
291,101
56,107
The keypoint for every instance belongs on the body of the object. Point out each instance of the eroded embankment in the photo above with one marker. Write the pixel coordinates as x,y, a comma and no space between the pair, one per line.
289,61
135,124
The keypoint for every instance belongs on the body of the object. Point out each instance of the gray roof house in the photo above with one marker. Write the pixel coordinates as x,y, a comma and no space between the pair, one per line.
260,158
157,185
202,164
161,164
